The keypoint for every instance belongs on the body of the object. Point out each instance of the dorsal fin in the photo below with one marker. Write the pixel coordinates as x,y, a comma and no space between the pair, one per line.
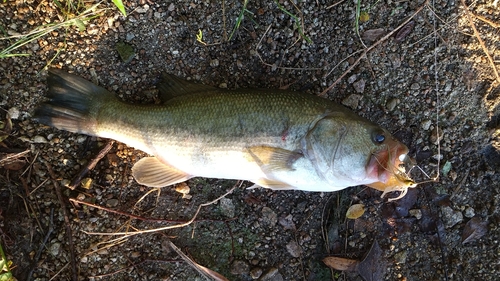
172,86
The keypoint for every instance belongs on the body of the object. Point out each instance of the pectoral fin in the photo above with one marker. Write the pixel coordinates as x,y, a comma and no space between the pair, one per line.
274,159
151,172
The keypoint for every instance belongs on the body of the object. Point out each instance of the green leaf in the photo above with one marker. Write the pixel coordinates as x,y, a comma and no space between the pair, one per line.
119,5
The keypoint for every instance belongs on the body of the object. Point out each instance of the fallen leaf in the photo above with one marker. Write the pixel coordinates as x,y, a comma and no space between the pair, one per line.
341,264
373,35
355,211
373,267
474,229
404,31
287,222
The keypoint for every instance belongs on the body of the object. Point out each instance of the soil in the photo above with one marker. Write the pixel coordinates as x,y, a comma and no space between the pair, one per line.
431,73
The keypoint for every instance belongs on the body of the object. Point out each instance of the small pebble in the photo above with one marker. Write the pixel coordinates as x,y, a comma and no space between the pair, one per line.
269,216
426,124
239,267
359,86
293,249
227,207
39,139
352,101
256,273
112,202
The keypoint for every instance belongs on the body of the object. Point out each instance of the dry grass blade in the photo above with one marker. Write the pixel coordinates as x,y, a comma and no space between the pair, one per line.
367,50
205,272
136,232
481,42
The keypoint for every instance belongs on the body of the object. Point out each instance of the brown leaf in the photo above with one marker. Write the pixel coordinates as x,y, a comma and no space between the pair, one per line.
373,35
373,267
355,211
341,264
404,31
15,165
474,229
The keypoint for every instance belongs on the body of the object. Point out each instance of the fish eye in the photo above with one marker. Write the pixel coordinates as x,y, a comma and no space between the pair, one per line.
378,137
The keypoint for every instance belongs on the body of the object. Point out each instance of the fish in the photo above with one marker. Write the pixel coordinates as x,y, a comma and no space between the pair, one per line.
278,139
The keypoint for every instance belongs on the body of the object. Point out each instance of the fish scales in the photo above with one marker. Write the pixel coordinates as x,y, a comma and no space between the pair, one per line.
276,139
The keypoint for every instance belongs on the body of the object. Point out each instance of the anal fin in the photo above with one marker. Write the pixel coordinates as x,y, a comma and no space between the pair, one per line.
151,172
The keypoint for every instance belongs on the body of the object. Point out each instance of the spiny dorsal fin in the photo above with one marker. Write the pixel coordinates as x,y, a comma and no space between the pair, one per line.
151,172
172,86
273,159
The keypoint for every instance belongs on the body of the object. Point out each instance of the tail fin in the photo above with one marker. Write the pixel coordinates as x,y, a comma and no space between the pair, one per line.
73,105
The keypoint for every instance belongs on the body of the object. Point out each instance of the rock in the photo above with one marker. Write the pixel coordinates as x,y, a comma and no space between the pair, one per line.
39,139
55,249
227,207
293,249
470,212
239,267
256,273
391,104
14,113
359,86
112,202
400,257
352,101
426,124
450,216
272,275
417,213
269,217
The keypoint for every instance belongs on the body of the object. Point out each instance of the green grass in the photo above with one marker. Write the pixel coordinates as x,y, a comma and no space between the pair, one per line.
5,266
75,14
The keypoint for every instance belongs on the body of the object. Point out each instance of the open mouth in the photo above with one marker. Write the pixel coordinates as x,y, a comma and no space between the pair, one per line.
384,166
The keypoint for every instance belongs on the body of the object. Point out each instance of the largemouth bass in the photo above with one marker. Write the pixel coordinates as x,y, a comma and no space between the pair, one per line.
275,139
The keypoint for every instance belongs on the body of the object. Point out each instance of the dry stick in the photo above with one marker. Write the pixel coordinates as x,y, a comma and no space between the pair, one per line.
128,234
365,52
69,232
476,33
91,165
492,23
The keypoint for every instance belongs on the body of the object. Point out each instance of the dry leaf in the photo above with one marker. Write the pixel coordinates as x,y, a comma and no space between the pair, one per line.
355,211
373,35
373,267
474,229
341,264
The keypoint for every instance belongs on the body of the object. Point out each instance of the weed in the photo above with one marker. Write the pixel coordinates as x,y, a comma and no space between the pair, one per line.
297,20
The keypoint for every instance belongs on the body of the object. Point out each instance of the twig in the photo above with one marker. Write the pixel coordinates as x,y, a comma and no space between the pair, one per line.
203,271
42,245
476,34
128,234
492,23
69,232
91,165
367,50
335,4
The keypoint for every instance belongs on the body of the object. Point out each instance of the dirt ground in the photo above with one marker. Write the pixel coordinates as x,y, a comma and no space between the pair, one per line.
431,72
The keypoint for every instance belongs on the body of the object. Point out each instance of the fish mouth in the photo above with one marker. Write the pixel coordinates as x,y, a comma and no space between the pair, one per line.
384,163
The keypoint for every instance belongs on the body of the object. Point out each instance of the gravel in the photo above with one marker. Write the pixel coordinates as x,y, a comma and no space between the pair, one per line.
257,234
